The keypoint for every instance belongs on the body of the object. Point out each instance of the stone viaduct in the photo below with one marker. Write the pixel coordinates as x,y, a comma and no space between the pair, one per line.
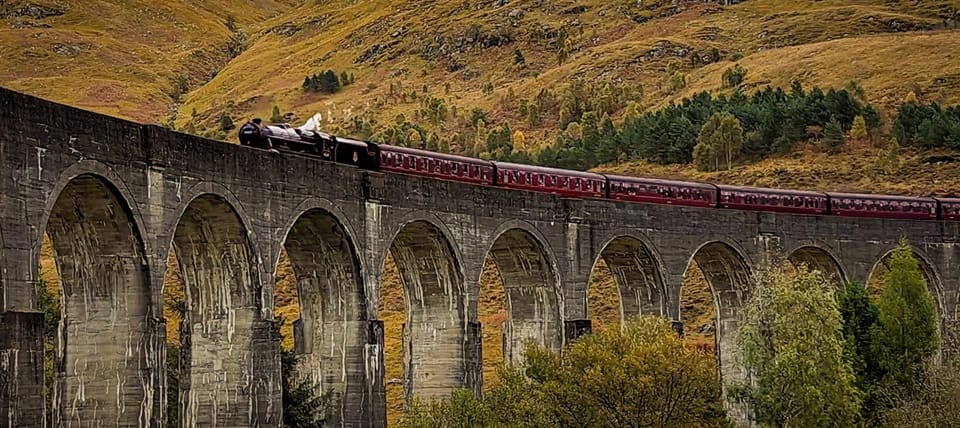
115,197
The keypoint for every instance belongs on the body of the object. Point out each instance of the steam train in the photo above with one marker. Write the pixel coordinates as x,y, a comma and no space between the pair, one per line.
578,184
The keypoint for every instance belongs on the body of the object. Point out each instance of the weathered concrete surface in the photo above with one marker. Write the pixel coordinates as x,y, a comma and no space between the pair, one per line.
331,333
21,369
229,210
102,340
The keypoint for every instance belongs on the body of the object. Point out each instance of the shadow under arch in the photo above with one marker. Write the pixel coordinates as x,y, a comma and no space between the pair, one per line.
221,323
330,334
435,338
727,272
637,271
819,258
529,273
104,337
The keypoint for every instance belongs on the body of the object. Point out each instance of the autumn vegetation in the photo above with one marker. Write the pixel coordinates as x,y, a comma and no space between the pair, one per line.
815,353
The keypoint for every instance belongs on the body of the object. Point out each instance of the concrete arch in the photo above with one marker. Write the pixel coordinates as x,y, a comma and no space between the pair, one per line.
434,335
99,169
331,332
821,258
638,272
220,325
529,272
931,276
209,188
104,337
435,222
727,271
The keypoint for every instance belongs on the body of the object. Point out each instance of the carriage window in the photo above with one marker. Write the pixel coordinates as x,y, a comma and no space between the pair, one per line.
529,178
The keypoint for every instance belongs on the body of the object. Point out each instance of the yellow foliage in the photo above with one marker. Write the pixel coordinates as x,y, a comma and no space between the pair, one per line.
519,142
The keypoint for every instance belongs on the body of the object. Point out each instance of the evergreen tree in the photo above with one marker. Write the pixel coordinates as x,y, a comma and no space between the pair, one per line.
226,123
518,57
833,136
303,406
275,117
791,342
860,315
907,334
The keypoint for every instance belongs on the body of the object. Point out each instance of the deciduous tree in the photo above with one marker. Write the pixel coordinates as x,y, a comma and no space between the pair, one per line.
858,131
640,376
719,142
792,345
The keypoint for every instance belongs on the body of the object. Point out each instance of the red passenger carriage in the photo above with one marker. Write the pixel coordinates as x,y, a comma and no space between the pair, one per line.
551,180
949,208
421,162
658,191
780,200
865,205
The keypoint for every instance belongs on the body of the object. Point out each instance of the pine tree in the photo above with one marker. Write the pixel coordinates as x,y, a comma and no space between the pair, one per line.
518,57
833,135
226,123
907,334
275,117
860,316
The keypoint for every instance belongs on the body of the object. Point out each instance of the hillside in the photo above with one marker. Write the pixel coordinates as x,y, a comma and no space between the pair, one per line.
443,64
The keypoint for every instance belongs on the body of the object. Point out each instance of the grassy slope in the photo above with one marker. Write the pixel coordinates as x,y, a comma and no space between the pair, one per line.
825,43
119,57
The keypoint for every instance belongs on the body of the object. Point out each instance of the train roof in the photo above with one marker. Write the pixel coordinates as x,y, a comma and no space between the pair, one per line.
352,142
661,181
427,153
877,196
769,190
547,170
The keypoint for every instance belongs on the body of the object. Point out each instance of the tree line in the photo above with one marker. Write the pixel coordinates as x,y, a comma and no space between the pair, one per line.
729,129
